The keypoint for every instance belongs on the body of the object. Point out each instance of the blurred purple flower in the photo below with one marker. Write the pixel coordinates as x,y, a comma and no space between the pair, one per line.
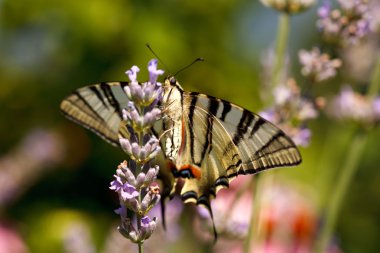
317,66
347,25
39,151
302,137
349,105
291,111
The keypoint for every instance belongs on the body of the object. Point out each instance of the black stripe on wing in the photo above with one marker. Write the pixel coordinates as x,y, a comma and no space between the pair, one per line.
191,125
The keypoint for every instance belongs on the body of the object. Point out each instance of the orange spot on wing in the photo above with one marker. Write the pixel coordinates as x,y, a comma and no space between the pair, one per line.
194,170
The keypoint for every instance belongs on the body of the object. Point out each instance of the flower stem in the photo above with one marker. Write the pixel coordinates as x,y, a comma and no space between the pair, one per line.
281,45
141,249
253,220
375,80
348,171
254,231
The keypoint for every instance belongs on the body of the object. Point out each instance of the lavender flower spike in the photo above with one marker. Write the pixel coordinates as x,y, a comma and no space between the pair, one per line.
135,180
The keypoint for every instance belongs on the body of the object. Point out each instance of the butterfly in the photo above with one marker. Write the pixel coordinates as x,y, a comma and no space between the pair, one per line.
207,141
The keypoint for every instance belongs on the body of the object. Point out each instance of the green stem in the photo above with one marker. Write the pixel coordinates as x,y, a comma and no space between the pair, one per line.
258,184
252,222
140,166
281,45
375,80
348,171
141,249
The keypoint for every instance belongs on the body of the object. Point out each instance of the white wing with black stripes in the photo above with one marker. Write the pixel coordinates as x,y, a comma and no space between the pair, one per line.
98,108
215,141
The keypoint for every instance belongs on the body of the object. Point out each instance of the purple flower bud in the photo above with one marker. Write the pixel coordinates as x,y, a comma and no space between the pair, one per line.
117,184
135,149
128,175
151,198
126,145
134,116
140,179
153,71
147,227
129,192
142,155
152,148
133,205
122,211
136,92
133,236
132,74
151,175
152,116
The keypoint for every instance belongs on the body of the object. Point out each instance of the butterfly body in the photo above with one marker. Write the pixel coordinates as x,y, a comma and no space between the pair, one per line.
207,141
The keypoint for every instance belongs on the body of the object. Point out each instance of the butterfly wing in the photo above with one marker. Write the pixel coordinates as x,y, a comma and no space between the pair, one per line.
98,108
222,140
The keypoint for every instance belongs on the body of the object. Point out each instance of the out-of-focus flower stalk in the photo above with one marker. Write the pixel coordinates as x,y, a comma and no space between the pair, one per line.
348,171
281,45
257,191
375,81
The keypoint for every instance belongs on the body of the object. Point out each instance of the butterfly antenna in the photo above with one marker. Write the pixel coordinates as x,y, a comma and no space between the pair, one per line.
158,58
187,66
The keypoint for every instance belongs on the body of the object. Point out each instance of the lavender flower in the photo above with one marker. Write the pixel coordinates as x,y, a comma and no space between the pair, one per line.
347,25
291,111
349,105
135,187
317,66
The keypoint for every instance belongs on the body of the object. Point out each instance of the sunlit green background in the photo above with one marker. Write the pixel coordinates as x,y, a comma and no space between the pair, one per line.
49,48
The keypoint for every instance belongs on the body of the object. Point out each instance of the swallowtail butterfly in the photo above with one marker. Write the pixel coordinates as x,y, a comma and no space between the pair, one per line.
208,141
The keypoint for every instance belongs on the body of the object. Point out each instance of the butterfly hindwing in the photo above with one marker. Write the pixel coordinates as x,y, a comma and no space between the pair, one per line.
223,140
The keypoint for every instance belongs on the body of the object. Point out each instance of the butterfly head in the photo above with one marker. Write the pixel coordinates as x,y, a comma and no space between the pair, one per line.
172,81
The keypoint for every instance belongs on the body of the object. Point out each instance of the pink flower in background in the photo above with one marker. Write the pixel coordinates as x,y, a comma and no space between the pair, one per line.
10,241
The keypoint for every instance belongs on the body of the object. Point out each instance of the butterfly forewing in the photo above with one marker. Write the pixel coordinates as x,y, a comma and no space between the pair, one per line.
98,108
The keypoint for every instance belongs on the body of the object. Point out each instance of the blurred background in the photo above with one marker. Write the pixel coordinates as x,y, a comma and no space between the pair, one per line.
54,174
